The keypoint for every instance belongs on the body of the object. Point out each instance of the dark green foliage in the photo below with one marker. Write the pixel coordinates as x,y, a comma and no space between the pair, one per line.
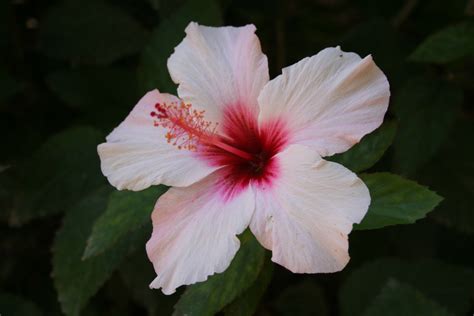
370,149
63,170
247,303
125,212
76,279
400,299
303,299
94,88
90,32
395,201
8,86
137,273
451,173
12,305
207,298
152,71
448,285
447,45
70,244
427,110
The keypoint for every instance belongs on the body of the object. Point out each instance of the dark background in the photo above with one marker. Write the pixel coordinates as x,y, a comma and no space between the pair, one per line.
71,70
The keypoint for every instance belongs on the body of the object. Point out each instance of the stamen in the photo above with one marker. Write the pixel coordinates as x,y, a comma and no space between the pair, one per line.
187,128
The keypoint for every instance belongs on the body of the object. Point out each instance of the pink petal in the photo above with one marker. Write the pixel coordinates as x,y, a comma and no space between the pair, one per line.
217,67
309,211
136,154
194,232
330,100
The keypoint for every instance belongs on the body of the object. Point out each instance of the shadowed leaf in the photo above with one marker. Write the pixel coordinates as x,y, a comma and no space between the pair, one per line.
89,32
126,212
77,280
370,149
448,285
400,299
447,45
59,173
247,303
13,305
427,109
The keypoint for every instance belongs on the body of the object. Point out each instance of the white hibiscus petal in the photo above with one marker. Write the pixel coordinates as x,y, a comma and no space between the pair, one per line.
329,101
194,232
305,217
217,67
136,154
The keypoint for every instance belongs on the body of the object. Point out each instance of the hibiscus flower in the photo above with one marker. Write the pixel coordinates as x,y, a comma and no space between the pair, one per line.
242,151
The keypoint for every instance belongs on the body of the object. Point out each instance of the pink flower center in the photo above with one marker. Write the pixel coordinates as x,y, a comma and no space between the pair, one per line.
244,149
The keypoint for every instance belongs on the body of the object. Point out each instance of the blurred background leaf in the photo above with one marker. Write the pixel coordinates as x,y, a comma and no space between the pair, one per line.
451,173
305,298
59,173
448,285
8,85
427,110
91,32
401,299
17,306
447,45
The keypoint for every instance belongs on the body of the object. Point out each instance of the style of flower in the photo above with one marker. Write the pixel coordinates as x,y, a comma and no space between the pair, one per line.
242,151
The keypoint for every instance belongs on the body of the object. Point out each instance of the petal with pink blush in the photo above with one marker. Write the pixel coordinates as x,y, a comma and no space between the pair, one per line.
307,214
217,67
137,155
329,101
195,232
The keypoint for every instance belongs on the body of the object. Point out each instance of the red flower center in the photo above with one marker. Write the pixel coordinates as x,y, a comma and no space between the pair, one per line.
243,149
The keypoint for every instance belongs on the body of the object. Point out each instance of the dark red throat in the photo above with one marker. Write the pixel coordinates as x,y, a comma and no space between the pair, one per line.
241,131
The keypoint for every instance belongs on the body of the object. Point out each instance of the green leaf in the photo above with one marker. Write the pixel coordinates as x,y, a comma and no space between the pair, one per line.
370,149
211,296
401,299
427,109
13,305
395,200
126,211
451,173
305,298
63,170
247,303
137,273
89,32
447,45
448,285
77,280
95,89
153,72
